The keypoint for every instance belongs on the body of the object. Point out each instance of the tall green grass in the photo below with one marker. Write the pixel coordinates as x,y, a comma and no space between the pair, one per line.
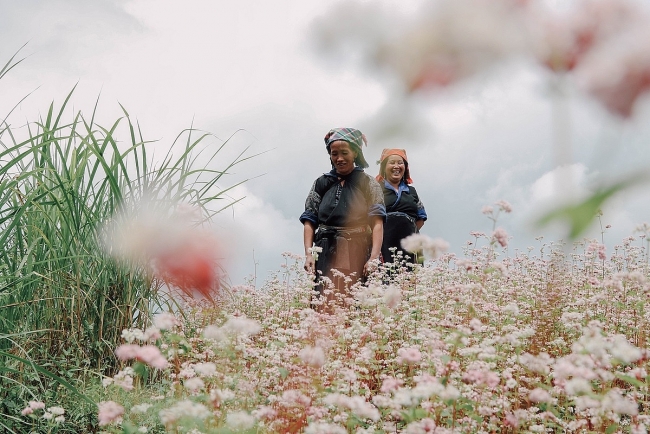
63,300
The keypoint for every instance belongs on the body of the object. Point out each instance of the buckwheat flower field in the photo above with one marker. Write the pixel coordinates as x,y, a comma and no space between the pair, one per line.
549,340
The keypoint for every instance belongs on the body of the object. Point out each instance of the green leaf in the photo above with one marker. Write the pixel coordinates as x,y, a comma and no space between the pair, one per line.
580,215
612,428
284,373
631,380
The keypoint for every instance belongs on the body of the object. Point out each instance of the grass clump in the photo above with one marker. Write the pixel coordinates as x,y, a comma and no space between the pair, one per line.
64,300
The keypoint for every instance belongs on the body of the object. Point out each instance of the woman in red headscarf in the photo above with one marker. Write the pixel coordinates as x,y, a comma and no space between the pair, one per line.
405,213
344,216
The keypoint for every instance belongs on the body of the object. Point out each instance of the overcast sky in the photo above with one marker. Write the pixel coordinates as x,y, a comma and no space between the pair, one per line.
252,69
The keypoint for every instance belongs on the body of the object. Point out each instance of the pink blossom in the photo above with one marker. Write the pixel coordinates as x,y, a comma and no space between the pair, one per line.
539,395
501,236
166,321
151,355
504,206
565,39
391,384
127,351
27,410
313,356
511,420
176,250
37,405
109,412
392,296
148,354
408,355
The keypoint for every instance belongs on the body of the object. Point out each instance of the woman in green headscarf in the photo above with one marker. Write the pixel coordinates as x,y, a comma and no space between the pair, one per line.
343,217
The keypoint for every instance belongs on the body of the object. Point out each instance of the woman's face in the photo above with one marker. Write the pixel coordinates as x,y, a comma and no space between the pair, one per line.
342,157
395,169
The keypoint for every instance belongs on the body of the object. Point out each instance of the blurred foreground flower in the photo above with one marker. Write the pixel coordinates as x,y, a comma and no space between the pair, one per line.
172,246
602,43
432,248
445,41
110,412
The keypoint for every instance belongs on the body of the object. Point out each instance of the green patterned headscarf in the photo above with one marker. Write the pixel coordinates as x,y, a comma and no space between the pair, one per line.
354,137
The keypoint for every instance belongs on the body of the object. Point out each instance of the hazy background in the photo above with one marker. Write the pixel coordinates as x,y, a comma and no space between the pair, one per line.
251,70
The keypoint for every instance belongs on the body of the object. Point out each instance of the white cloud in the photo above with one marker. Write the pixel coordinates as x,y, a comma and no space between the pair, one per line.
242,64
254,235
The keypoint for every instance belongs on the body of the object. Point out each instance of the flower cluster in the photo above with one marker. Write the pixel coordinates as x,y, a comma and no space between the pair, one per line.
482,343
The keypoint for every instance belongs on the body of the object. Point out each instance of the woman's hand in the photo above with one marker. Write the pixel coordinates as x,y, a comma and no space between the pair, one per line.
308,239
310,264
377,227
370,266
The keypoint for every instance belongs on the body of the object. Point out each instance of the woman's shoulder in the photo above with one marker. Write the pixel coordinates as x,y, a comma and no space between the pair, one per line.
368,178
324,182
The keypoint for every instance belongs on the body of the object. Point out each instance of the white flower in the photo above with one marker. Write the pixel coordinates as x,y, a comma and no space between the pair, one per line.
511,308
240,420
184,408
624,351
207,369
165,321
577,386
450,392
619,404
242,325
214,333
130,335
392,296
313,356
194,384
140,408
315,250
540,395
432,248
56,411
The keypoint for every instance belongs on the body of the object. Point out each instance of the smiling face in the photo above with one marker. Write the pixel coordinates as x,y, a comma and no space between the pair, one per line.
342,157
395,168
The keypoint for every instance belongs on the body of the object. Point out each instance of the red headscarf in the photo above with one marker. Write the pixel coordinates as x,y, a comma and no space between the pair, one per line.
382,162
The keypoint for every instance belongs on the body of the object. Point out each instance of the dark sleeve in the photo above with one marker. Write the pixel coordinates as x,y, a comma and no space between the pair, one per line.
422,214
311,206
376,205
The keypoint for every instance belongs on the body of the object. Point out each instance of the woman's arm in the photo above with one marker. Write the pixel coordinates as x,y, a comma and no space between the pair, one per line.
377,238
308,241
419,223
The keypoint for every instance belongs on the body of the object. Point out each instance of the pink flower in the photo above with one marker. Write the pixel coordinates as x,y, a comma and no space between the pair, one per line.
178,251
109,412
540,395
37,405
511,420
313,356
564,40
166,321
151,355
408,355
390,384
504,206
501,236
127,351
148,354
27,410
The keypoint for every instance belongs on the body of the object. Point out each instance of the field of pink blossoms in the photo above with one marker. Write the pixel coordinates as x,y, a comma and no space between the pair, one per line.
554,339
